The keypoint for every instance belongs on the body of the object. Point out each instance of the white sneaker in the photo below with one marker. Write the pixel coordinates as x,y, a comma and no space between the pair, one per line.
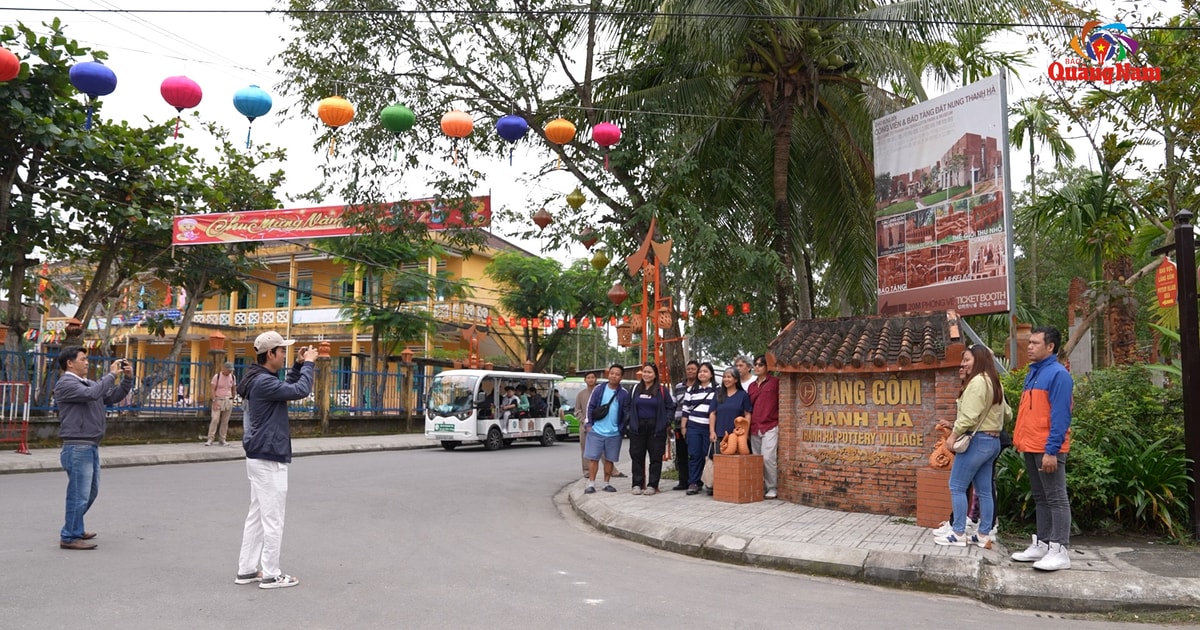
1057,558
1034,552
283,581
771,494
972,527
943,528
951,540
980,540
636,490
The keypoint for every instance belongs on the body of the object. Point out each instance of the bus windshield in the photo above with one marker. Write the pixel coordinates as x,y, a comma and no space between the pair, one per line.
451,393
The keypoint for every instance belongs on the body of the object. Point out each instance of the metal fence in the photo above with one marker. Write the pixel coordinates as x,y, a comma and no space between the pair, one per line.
183,387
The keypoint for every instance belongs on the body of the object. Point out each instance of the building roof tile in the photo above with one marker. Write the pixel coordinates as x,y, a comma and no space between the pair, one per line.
878,342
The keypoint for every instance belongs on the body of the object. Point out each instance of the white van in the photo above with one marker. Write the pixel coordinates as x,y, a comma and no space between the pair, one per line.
466,406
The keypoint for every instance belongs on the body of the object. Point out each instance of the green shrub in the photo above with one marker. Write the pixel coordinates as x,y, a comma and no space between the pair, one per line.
1127,467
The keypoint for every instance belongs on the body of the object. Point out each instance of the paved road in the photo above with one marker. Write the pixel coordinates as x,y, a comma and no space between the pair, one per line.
415,539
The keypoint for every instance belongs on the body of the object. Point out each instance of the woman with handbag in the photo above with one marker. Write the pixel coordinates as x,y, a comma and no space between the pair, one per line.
650,415
976,441
697,405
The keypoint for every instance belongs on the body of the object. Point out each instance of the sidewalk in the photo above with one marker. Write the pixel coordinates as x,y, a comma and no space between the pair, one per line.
890,551
46,459
776,534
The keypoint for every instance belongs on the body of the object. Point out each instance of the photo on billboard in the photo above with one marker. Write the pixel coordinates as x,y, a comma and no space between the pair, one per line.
942,204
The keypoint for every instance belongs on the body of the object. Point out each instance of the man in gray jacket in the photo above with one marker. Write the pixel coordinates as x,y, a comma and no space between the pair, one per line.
267,438
81,405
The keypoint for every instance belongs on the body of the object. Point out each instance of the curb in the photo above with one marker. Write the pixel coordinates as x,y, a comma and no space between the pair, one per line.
993,579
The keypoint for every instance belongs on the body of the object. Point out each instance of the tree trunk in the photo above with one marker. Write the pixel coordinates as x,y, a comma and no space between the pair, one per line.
1121,316
790,305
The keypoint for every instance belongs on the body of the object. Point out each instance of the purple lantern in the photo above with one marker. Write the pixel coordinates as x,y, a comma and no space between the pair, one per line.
94,79
512,128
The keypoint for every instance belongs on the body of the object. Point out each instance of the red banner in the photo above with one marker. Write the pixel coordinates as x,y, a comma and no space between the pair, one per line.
320,222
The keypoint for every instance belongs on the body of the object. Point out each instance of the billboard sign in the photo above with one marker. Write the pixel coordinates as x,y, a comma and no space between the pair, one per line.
319,222
943,223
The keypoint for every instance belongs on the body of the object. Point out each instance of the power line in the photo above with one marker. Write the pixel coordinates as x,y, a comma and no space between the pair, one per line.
604,13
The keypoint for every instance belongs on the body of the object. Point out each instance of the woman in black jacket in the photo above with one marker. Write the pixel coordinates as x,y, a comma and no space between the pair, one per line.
649,417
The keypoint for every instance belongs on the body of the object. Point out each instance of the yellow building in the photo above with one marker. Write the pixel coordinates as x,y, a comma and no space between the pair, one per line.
299,294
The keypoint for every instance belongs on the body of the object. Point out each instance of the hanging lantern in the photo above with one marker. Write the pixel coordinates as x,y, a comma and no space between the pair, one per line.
625,335
606,135
251,102
335,111
542,218
617,294
10,65
599,260
575,199
729,310
397,119
560,131
588,237
181,93
457,124
745,307
94,79
665,318
512,128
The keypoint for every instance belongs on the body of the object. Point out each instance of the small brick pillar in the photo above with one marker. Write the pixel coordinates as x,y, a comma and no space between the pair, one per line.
738,478
933,496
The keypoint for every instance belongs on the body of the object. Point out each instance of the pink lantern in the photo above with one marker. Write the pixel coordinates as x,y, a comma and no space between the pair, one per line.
181,93
606,135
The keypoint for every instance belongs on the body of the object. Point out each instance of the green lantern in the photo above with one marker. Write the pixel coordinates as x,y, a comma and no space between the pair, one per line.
575,199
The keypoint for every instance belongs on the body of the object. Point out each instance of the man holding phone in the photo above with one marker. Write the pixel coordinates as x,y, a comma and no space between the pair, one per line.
267,439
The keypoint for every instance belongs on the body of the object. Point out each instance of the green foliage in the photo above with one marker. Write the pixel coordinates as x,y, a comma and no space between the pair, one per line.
1127,466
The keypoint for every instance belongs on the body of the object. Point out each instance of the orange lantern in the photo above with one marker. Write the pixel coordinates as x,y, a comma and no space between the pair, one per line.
457,124
560,131
335,111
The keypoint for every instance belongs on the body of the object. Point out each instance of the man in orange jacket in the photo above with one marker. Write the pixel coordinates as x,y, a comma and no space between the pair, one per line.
1043,436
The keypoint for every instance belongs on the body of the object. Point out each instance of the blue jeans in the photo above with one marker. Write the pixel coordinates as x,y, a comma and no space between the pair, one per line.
974,467
82,463
697,445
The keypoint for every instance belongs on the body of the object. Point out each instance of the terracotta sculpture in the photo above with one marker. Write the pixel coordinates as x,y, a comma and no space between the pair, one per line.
737,443
942,457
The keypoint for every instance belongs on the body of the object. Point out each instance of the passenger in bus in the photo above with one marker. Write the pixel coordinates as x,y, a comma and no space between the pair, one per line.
508,405
537,404
522,402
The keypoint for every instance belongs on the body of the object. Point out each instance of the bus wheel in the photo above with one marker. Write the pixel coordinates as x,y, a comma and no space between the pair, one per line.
494,440
449,445
548,436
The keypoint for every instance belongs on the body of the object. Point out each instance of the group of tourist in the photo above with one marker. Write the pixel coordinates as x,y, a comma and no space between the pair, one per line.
698,410
1042,435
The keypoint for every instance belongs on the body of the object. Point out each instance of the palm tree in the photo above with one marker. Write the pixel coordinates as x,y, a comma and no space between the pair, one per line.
1038,123
807,74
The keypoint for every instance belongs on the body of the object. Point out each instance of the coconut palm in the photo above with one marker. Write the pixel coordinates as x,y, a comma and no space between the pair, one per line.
807,74
1037,123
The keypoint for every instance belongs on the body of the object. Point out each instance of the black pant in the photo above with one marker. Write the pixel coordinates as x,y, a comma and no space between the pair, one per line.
640,441
681,456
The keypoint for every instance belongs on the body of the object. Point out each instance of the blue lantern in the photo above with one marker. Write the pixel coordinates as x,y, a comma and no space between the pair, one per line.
512,128
94,79
252,102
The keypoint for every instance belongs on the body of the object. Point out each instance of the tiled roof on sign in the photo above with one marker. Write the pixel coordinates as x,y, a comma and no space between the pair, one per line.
864,342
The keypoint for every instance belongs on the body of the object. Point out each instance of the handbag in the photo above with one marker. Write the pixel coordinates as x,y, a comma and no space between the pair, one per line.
706,477
963,442
602,409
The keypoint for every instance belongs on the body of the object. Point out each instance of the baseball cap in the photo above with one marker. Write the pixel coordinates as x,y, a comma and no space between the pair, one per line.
269,341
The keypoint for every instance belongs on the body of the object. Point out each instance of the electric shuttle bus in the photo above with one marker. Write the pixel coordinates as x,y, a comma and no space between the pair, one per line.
473,407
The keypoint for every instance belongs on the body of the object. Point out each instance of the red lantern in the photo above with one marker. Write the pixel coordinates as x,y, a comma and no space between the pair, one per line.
542,218
573,323
502,320
10,65
562,324
612,320
586,322
745,307
524,322
181,93
546,323
617,294
588,237
489,320
335,111
606,134
729,310
599,322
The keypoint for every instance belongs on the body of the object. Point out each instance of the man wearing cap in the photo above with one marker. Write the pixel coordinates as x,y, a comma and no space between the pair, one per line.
223,384
267,438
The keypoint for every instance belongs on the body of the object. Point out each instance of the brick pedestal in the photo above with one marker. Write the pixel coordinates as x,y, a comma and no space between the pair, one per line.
933,496
738,478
